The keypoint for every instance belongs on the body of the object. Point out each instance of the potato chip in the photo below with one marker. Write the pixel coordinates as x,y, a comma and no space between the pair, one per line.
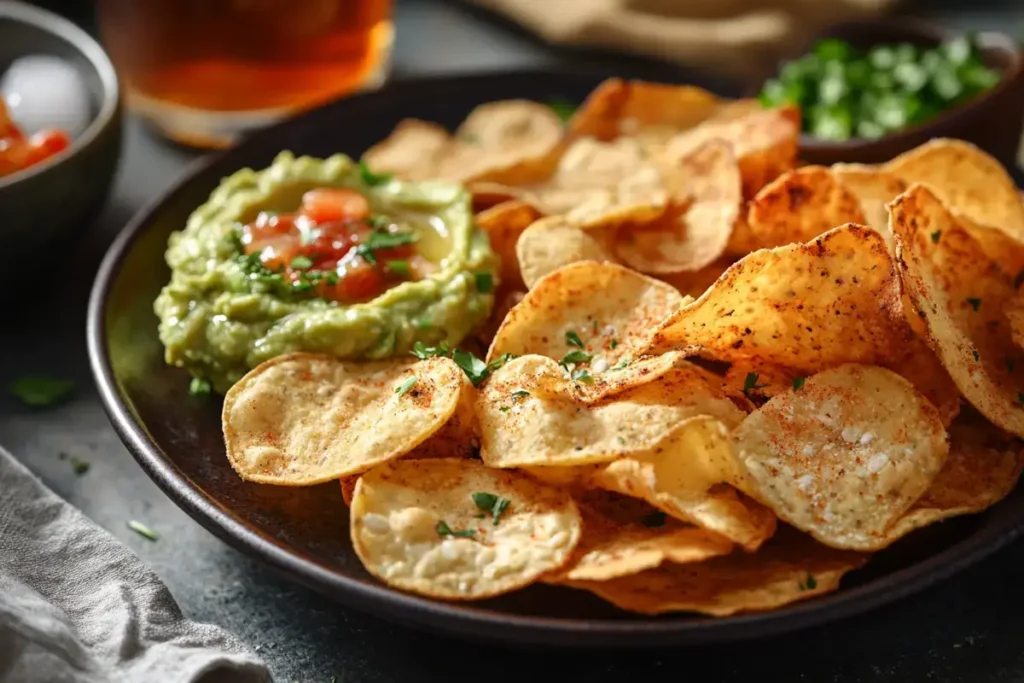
623,536
742,240
1014,312
764,143
694,284
411,152
1004,249
554,242
803,306
984,465
689,477
967,180
788,568
504,224
348,488
459,530
962,295
303,419
800,205
696,237
531,414
600,314
845,455
874,189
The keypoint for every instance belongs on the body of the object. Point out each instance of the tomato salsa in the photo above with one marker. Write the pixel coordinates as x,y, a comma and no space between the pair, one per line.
335,247
18,151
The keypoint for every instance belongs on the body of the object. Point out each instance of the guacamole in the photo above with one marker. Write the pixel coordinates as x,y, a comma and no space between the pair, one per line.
220,316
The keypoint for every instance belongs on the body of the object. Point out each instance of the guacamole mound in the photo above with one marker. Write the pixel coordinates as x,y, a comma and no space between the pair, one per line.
218,323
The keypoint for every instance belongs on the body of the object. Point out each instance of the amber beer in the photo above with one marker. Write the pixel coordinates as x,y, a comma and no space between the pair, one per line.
205,71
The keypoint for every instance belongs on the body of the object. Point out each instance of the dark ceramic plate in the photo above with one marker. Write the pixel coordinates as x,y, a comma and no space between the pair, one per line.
303,533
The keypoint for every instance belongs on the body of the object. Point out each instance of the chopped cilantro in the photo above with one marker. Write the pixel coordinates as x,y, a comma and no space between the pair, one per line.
654,519
750,383
379,239
977,356
475,369
332,278
613,343
143,530
500,361
505,409
422,351
370,178
378,221
302,263
199,387
573,339
975,303
581,375
936,235
79,466
809,584
798,383
41,392
495,505
484,282
575,357
399,267
623,363
443,529
520,393
406,385
563,109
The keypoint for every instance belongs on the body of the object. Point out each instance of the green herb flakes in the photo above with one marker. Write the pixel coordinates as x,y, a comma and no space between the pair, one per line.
490,503
443,529
573,339
143,530
406,385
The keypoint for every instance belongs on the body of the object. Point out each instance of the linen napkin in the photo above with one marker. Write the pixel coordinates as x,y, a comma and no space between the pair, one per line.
728,37
76,606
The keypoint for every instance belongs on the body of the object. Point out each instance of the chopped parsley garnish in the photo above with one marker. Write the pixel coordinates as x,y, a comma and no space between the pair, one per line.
936,235
399,267
563,109
750,383
484,282
654,519
975,303
378,221
475,369
370,178
302,263
581,375
406,385
575,357
623,363
809,584
505,409
613,343
422,351
977,356
520,393
443,529
79,466
379,239
573,339
495,505
199,387
41,392
143,530
798,383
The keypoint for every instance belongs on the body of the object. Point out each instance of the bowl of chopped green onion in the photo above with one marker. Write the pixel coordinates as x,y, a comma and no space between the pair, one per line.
869,90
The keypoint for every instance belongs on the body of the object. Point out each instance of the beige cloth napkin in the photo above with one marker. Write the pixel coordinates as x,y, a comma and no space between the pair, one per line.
729,37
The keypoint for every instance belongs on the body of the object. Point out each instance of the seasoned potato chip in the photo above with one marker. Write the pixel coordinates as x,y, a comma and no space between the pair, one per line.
459,530
694,284
348,488
962,295
689,477
623,536
845,455
303,418
600,314
984,465
554,242
788,568
411,152
531,414
504,224
1004,249
873,189
803,306
1014,312
967,180
696,237
742,240
800,205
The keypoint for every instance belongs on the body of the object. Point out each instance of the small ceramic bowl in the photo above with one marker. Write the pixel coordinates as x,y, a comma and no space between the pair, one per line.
993,121
46,207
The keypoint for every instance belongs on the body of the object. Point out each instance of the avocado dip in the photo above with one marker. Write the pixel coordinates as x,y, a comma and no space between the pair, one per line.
321,255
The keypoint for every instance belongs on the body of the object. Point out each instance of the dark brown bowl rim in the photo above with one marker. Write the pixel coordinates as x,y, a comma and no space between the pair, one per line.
466,620
1000,42
97,58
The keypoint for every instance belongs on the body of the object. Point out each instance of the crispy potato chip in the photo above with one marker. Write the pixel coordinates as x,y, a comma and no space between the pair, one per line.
845,455
696,237
411,152
554,242
873,189
416,525
1014,312
532,414
694,284
984,465
689,476
967,180
623,536
962,295
800,205
764,143
788,568
600,312
742,240
348,488
504,224
1004,249
803,306
303,419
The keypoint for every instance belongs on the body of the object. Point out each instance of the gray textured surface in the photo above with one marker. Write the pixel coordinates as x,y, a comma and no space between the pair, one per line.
968,629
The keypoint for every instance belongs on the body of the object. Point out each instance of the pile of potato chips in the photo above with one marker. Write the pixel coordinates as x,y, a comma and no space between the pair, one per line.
850,370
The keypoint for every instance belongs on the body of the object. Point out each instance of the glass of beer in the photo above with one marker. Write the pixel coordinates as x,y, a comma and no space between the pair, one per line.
205,72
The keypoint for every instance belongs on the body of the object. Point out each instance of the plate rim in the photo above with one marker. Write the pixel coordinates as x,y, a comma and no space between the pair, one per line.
465,619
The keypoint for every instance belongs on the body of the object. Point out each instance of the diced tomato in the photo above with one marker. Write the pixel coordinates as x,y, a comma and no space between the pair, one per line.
46,143
357,281
334,204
